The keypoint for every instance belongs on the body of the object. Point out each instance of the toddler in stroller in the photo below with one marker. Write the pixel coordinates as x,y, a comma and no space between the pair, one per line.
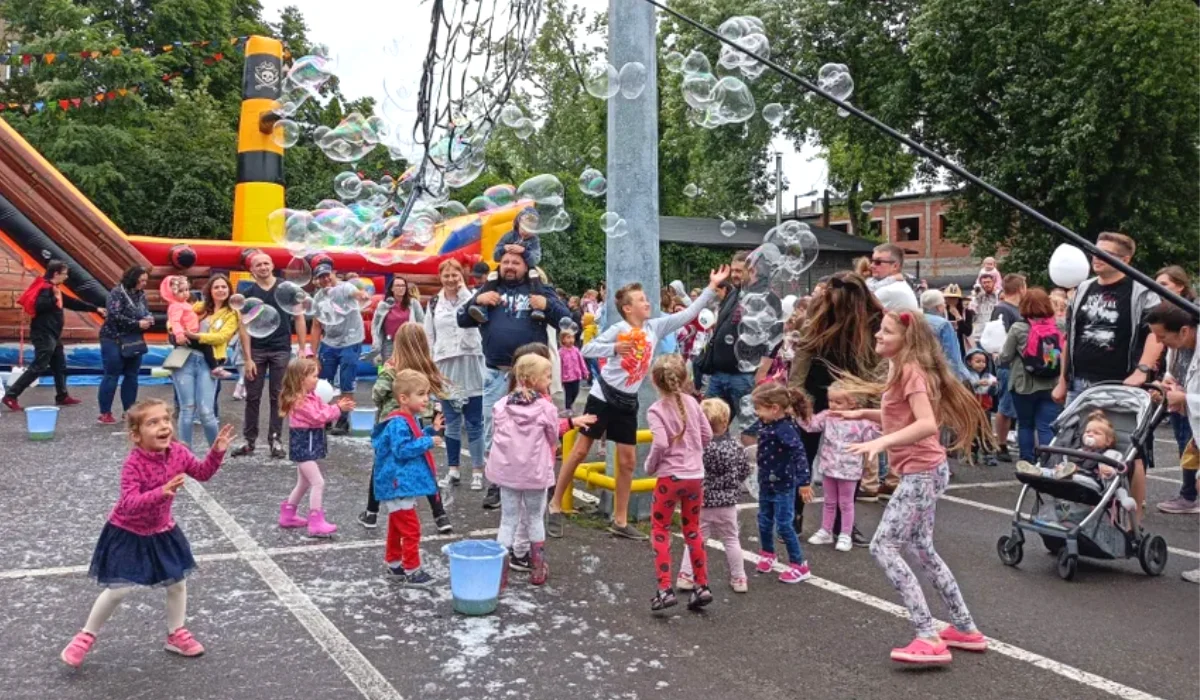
1078,493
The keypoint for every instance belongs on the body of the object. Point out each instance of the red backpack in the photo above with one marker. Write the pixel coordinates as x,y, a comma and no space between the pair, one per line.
1042,355
28,298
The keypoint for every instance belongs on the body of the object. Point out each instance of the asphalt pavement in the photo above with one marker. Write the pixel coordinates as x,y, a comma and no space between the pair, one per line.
284,615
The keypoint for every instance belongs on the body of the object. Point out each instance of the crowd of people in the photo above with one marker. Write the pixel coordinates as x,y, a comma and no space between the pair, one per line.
873,386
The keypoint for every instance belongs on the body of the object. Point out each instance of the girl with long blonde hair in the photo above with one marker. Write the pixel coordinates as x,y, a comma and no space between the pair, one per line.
680,433
919,395
410,350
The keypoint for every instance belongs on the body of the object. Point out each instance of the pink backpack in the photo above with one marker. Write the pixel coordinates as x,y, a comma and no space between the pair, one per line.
1042,355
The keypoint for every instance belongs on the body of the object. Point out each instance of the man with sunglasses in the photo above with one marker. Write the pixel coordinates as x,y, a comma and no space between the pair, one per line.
887,266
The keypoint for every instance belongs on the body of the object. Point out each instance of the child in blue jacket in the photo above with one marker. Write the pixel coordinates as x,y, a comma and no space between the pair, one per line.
404,472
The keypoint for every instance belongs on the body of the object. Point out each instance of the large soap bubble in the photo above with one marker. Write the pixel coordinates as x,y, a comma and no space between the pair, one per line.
673,62
292,298
347,185
354,137
732,101
311,71
259,319
602,80
592,182
285,133
632,80
748,33
834,78
547,196
696,62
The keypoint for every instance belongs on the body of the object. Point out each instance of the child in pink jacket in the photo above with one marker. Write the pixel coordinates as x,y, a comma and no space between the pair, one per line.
521,460
676,457
307,415
574,367
183,319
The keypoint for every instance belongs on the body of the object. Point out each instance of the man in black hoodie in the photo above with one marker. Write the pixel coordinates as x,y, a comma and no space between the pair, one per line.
510,324
45,333
726,381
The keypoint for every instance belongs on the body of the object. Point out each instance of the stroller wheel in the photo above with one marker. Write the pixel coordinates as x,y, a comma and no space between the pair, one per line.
1009,550
1067,564
1152,554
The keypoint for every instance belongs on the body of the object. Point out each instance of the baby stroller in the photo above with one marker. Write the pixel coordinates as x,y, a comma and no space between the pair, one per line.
1082,516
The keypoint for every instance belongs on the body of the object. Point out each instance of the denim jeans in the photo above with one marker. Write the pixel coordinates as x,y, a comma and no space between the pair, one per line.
1005,404
458,412
731,388
1183,433
775,513
495,386
1035,413
195,389
118,369
341,363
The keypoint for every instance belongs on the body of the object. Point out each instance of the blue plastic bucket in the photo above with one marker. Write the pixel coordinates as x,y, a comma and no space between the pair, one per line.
362,420
476,567
41,421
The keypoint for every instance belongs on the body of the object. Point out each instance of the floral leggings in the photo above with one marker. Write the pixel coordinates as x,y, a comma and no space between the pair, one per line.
907,526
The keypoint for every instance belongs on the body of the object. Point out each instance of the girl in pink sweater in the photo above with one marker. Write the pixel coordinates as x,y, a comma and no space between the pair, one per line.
140,544
574,368
307,415
676,457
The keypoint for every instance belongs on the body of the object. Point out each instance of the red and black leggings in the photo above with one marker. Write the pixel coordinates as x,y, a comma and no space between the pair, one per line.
688,495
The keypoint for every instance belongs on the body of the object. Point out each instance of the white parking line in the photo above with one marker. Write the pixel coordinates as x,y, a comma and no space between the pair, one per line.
994,645
369,681
83,568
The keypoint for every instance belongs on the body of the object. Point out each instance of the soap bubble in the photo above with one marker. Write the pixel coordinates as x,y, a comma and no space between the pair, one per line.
673,62
237,302
332,306
690,190
347,185
354,137
732,100
747,32
632,80
259,319
298,271
566,325
292,298
602,80
311,71
787,251
547,195
619,230
843,112
834,78
609,220
524,128
285,133
511,114
728,229
501,195
452,209
592,182
773,113
290,228
698,89
480,204
696,62
868,207
594,152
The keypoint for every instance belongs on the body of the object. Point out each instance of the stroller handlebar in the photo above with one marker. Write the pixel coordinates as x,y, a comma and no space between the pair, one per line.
1083,454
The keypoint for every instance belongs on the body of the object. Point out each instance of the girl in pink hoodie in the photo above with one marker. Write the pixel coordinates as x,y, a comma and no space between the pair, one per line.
182,319
307,415
521,460
676,457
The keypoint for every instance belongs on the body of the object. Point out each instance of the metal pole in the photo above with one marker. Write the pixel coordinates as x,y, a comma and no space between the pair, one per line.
941,160
778,188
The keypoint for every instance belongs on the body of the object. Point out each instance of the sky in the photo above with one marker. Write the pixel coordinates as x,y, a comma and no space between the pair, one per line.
382,42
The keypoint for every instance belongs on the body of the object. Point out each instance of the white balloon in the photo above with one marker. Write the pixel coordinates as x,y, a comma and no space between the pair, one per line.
707,318
325,391
1069,266
992,338
789,305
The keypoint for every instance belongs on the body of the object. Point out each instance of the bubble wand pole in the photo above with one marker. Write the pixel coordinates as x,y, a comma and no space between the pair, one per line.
941,160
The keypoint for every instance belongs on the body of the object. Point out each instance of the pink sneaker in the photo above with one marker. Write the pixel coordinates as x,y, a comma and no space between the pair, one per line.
796,573
288,517
77,649
183,643
317,527
922,652
766,561
967,641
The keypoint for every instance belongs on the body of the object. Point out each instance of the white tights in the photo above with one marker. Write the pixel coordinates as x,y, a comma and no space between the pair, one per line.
308,478
110,598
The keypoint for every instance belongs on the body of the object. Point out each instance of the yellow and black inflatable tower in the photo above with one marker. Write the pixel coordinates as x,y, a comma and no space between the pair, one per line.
259,189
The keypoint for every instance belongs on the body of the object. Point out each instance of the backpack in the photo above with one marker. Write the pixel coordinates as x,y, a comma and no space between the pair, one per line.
28,298
1042,355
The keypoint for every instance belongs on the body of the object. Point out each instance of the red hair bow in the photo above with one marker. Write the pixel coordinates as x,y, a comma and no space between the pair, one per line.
906,318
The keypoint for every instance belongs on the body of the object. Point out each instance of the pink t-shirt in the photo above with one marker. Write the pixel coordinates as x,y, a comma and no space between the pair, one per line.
925,454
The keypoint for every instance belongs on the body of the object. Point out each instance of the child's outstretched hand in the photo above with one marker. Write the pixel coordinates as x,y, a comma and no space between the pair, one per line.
583,421
716,277
806,494
172,487
345,404
856,414
870,449
221,444
439,422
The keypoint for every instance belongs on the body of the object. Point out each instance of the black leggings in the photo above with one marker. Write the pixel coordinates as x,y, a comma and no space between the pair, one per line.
435,500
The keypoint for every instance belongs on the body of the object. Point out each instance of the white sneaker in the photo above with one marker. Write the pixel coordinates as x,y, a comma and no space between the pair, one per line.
477,482
451,479
844,544
821,536
1193,575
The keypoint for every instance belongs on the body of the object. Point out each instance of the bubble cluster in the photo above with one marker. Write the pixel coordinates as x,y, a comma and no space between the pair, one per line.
259,319
614,225
747,32
834,78
592,182
547,196
714,101
774,271
353,138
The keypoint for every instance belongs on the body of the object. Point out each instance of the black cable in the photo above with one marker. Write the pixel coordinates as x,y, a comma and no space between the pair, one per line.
1024,208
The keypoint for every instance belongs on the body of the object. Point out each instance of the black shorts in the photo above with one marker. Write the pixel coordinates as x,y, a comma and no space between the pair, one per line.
620,427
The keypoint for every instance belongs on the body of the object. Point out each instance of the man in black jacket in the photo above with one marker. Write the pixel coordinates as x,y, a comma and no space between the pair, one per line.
45,333
719,363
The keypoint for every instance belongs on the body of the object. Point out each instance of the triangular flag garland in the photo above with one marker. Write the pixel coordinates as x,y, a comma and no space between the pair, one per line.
14,55
68,103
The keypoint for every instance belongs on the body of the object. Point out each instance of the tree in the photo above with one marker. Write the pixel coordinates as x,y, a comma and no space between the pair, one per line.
1087,111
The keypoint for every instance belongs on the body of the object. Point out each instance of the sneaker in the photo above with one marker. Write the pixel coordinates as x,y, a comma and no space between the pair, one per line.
454,478
867,497
11,403
627,531
844,543
106,419
796,573
442,522
989,460
1192,576
821,536
80,645
967,641
766,562
419,579
243,450
555,524
67,400
522,563
492,500
663,600
922,652
239,391
1179,506
685,582
477,313
1004,456
183,643
477,482
277,451
1024,467
1064,470
739,585
368,519
700,598
857,539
